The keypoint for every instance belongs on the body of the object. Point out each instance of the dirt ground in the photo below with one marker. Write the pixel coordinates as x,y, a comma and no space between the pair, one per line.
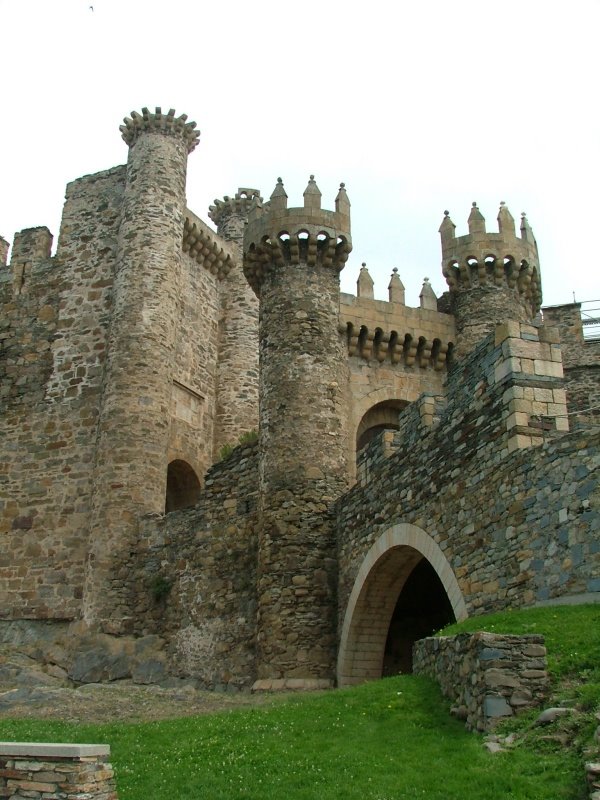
28,691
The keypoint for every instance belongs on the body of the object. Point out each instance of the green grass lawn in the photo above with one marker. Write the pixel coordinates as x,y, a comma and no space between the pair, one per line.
387,740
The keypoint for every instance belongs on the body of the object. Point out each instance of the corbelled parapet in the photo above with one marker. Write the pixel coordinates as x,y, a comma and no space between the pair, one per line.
239,205
483,258
203,247
277,235
493,277
164,124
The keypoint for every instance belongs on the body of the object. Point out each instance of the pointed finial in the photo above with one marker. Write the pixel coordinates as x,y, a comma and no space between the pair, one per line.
279,197
447,227
427,297
506,222
526,232
396,288
476,220
312,194
342,206
364,284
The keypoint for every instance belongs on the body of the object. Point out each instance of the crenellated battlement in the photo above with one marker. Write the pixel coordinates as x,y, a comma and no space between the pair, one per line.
278,235
481,258
240,204
31,248
390,331
157,122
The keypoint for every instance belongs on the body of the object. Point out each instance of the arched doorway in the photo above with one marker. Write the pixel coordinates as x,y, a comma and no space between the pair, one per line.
383,617
422,608
183,486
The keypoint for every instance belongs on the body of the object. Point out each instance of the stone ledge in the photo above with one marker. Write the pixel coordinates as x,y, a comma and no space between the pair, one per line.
54,750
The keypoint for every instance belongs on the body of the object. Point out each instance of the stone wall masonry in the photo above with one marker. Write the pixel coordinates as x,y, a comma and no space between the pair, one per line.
130,469
487,676
61,771
237,398
193,400
205,558
53,339
517,525
581,361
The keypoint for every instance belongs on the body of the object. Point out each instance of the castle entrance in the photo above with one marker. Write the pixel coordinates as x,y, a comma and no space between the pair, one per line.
422,608
404,590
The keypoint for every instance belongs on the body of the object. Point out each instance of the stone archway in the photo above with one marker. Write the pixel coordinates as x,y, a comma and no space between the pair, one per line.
377,588
183,486
381,416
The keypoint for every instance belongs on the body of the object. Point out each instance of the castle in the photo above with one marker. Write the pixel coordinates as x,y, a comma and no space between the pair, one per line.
413,465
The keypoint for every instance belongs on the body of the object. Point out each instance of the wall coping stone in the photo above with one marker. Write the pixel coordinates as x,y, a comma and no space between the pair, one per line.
53,749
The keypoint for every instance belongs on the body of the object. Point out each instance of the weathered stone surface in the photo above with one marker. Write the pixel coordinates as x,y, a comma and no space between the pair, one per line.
552,714
128,360
483,693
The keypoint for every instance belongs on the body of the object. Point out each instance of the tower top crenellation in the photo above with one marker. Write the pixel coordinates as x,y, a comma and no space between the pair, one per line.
240,204
483,257
157,122
277,234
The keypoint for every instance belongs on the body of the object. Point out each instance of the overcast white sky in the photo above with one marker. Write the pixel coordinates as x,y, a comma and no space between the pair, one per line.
418,106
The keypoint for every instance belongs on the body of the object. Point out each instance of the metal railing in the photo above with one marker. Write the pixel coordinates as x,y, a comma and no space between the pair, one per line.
590,319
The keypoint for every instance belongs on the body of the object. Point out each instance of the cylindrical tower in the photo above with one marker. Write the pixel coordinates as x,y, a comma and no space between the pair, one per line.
292,259
237,370
131,457
493,277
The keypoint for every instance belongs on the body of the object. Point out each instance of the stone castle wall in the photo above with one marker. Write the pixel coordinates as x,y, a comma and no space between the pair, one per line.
54,327
205,559
487,676
581,361
54,320
517,524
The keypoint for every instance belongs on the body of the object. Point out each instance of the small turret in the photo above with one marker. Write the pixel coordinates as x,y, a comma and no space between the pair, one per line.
492,277
237,363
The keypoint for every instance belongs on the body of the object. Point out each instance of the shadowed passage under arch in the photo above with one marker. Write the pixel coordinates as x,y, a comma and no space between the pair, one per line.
403,568
183,486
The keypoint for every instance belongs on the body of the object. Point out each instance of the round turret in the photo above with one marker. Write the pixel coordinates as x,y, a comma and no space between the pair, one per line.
292,259
237,363
133,429
492,277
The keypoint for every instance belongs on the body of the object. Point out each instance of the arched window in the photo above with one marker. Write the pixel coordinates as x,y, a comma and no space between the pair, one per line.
380,417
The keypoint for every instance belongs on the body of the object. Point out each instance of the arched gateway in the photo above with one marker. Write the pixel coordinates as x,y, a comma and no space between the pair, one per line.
402,553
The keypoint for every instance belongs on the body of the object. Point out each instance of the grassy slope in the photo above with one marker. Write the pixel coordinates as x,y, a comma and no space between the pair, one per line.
389,739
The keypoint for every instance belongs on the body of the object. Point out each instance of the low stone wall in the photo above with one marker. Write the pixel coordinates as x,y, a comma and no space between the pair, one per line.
487,676
61,771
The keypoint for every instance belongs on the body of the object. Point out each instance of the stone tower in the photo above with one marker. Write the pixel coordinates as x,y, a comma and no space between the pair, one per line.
131,457
292,259
237,384
493,277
